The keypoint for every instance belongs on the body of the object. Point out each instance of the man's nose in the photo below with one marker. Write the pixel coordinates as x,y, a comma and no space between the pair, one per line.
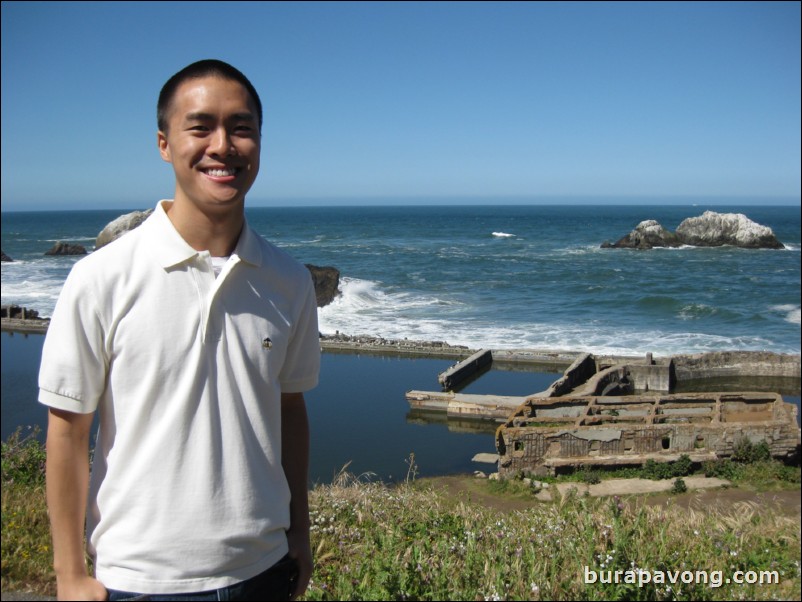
221,142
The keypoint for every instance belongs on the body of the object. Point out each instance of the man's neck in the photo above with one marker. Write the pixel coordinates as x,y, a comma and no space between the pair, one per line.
216,233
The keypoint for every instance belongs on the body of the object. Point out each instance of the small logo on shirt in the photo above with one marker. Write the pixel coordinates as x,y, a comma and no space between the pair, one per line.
267,343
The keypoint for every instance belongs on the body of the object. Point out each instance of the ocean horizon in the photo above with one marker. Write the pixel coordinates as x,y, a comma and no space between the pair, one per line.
444,200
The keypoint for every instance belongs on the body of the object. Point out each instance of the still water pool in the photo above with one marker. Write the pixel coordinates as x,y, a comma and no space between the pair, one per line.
358,414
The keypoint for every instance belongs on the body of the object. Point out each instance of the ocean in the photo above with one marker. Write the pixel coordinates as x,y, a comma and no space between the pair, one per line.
485,277
498,277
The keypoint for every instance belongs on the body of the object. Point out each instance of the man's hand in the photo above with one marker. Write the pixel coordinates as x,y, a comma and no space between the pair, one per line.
295,461
81,587
301,552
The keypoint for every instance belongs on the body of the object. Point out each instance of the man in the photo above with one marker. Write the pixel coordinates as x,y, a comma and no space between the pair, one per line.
194,339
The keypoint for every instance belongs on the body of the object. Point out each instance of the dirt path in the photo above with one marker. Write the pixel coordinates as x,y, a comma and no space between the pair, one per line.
466,487
788,503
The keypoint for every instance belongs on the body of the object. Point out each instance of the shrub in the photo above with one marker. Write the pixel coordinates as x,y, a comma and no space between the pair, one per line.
679,486
23,458
667,470
723,469
682,467
746,452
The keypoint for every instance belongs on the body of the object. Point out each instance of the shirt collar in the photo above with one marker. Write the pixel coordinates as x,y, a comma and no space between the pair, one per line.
172,249
248,248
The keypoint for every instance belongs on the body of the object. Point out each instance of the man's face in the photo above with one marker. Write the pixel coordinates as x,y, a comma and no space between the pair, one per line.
213,143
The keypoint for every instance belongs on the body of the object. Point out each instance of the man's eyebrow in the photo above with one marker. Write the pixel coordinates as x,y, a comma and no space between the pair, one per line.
209,117
198,117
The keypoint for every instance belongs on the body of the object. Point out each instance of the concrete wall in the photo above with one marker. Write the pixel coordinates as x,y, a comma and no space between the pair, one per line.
736,363
655,377
583,368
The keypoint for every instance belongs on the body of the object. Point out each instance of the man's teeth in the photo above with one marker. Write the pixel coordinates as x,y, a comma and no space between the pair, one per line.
219,173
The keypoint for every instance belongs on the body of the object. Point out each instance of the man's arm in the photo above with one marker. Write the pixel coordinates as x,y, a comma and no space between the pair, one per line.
295,461
67,490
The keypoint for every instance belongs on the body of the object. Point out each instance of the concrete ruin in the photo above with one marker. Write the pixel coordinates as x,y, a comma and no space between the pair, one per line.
546,434
587,375
624,411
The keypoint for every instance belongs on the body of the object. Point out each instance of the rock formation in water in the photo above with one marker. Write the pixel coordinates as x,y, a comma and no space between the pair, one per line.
327,283
65,248
708,230
713,229
4,256
646,235
121,225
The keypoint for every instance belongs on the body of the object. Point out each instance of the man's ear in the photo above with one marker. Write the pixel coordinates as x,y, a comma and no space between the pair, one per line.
164,147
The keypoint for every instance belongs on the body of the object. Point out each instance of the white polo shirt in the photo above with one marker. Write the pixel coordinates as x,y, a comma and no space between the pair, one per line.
187,490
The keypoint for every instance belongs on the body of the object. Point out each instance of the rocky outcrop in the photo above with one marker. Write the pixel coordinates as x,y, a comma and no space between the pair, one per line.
380,345
22,320
713,229
15,312
121,225
708,230
327,283
4,256
646,235
65,248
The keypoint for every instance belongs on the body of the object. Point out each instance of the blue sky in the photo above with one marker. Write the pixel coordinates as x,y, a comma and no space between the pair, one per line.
435,102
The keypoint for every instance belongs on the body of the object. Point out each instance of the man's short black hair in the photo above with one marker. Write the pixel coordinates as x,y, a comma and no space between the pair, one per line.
204,68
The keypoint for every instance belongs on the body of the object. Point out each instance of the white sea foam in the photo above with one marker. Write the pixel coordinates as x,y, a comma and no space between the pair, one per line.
73,239
696,311
583,250
35,284
366,308
792,312
503,235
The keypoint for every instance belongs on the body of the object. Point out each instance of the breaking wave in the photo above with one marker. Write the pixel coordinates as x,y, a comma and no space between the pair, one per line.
369,308
792,312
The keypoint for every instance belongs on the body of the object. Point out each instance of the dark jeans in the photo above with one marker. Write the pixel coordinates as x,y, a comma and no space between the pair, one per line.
276,583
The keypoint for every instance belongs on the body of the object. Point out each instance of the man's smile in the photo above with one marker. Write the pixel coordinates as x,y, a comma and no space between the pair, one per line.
221,172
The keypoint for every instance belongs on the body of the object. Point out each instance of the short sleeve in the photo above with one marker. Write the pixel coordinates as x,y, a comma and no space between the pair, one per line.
302,363
72,375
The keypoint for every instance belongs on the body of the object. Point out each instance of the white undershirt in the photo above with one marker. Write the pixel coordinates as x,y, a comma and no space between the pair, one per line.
218,263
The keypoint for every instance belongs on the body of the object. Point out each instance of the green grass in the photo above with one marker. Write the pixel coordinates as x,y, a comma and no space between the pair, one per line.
413,542
26,553
407,542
